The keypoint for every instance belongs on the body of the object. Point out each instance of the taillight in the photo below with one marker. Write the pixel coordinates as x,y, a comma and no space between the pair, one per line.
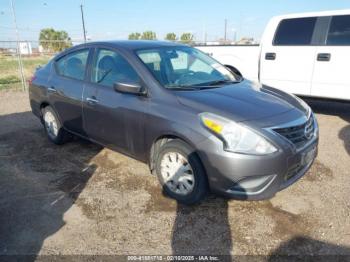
32,79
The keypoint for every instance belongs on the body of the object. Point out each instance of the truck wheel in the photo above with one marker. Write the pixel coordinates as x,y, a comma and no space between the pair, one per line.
53,127
180,172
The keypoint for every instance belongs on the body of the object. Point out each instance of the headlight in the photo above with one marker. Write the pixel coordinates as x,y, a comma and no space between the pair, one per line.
236,137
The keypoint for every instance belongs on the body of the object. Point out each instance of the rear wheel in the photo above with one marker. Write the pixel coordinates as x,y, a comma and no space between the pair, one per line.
53,127
181,173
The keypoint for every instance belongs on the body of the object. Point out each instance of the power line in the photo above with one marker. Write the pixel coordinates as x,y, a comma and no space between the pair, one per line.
32,29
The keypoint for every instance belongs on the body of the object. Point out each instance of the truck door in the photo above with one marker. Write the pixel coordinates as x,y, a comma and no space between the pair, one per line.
288,55
331,73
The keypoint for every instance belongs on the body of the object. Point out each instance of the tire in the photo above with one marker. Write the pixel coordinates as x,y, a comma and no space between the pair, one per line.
192,178
53,127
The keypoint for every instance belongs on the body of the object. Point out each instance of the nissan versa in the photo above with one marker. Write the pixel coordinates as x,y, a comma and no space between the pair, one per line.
198,125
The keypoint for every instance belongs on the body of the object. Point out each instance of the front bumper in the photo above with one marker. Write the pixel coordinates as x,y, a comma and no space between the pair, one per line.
254,177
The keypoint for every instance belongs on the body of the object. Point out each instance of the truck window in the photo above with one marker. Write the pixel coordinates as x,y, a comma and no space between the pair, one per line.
295,31
339,31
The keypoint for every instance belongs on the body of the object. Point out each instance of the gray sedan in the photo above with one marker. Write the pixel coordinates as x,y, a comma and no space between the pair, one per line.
197,124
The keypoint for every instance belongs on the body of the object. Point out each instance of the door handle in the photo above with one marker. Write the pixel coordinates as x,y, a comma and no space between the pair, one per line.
323,57
270,56
52,89
92,100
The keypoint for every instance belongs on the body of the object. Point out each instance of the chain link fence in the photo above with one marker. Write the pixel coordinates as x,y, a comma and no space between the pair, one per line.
19,60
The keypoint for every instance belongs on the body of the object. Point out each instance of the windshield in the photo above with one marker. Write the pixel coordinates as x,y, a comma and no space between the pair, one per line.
185,68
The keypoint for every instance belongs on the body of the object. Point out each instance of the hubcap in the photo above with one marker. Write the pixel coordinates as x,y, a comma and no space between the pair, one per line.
50,124
177,173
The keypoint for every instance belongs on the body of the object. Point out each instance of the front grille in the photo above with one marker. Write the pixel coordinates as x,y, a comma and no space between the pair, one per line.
299,135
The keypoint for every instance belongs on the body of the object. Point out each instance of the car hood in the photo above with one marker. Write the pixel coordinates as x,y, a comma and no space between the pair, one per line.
244,101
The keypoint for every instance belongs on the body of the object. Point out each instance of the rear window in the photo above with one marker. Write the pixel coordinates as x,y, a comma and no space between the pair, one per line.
296,31
339,31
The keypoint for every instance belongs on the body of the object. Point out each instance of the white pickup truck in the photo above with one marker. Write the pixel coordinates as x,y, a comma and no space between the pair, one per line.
305,54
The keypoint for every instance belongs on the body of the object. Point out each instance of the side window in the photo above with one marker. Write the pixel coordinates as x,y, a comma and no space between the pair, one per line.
73,65
296,31
339,31
110,67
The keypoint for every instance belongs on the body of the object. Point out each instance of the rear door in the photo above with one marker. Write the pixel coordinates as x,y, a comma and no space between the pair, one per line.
66,86
331,74
287,60
111,118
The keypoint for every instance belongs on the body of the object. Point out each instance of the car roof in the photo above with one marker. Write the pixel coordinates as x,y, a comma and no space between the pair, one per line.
134,44
121,44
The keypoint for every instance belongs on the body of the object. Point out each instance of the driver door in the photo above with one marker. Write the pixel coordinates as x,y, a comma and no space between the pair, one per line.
113,119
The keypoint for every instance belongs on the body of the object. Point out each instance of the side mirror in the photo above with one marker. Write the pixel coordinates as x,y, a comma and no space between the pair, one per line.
129,88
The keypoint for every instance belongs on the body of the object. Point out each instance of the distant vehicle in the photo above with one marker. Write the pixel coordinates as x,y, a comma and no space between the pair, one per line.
197,124
305,54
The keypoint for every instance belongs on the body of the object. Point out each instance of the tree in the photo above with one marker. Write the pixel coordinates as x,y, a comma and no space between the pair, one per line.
170,37
134,36
54,41
186,38
149,35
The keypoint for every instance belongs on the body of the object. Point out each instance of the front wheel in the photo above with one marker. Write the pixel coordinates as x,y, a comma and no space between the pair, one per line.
53,127
180,172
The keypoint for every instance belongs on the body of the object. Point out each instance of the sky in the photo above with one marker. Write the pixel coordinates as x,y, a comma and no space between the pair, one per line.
115,19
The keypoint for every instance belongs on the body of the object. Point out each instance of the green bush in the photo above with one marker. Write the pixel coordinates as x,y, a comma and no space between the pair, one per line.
9,80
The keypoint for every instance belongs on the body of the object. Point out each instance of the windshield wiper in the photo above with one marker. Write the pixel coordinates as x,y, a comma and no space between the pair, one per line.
200,86
216,83
182,88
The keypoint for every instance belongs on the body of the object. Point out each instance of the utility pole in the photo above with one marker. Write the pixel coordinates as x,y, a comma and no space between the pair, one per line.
204,33
19,57
82,19
234,35
225,36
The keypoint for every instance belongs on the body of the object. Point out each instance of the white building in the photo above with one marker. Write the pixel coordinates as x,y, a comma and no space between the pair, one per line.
25,48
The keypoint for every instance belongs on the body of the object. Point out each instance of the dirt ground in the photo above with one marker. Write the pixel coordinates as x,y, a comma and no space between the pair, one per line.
82,199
